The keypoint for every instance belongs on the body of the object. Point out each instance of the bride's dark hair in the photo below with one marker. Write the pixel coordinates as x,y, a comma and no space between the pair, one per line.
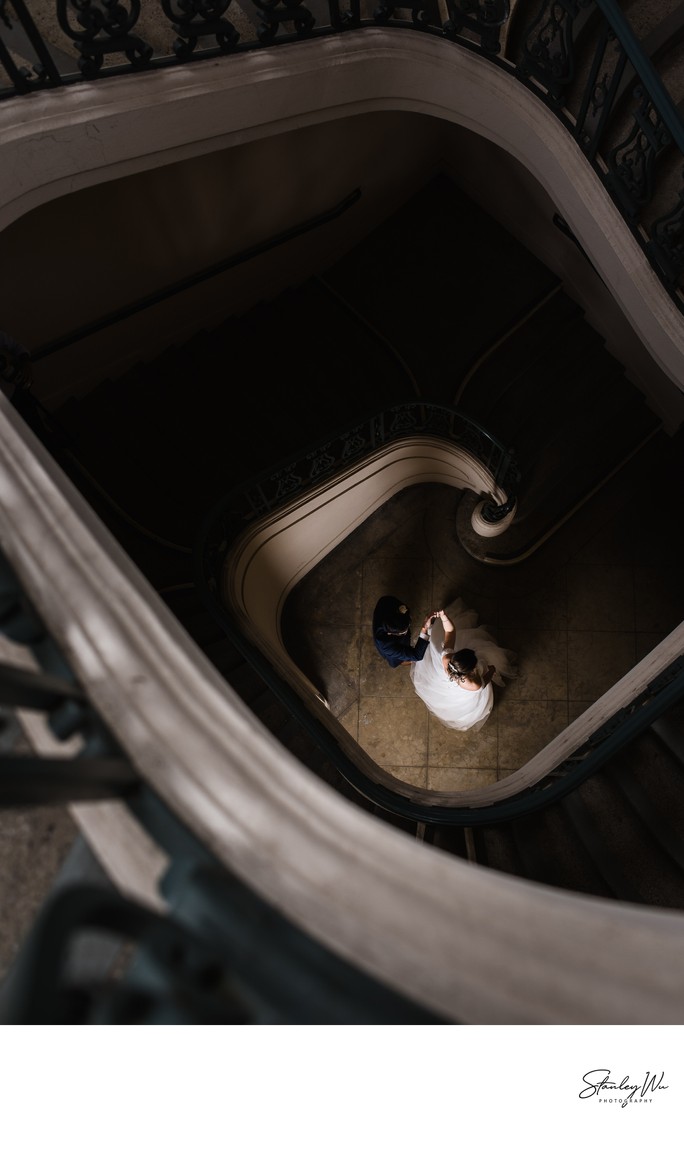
462,665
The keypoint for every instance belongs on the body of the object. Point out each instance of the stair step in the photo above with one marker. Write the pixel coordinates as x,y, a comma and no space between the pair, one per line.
533,341
650,779
547,385
449,839
605,405
595,397
421,278
497,847
630,858
568,470
551,852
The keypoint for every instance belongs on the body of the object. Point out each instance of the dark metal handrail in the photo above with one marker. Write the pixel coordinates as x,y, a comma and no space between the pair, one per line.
644,69
174,289
628,168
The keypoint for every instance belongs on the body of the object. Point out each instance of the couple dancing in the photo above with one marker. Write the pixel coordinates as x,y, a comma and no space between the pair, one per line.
453,663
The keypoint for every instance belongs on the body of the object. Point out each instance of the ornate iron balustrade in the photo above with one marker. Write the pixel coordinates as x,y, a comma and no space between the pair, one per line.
247,504
265,493
98,38
625,121
220,954
99,769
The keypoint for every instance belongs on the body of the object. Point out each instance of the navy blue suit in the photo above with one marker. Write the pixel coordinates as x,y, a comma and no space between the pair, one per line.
396,649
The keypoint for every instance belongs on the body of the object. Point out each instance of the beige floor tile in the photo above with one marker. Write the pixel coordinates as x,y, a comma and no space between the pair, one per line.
529,608
542,663
460,778
34,843
577,707
600,598
463,749
612,543
393,730
332,663
416,776
544,606
332,595
659,598
526,727
350,720
596,660
660,530
645,641
376,677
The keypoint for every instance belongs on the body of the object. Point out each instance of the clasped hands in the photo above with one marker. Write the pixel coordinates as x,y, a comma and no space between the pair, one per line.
433,615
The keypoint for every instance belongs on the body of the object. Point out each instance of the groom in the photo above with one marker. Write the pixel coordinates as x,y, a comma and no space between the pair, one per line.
392,632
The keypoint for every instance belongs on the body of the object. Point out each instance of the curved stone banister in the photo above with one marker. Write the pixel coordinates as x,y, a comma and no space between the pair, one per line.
107,44
120,126
467,943
473,945
264,563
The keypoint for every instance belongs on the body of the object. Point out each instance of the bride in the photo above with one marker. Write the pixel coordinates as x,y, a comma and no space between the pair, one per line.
454,679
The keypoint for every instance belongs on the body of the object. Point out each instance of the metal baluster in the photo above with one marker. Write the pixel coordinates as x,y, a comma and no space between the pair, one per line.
193,19
483,17
103,28
666,244
275,13
607,70
631,162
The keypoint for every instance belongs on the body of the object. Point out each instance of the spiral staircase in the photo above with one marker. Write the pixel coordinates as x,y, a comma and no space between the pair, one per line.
150,450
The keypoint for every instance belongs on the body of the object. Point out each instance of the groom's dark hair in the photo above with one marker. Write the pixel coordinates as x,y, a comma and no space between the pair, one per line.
397,618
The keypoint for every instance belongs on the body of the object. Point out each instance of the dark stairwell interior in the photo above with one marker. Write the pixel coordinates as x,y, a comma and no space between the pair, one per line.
440,303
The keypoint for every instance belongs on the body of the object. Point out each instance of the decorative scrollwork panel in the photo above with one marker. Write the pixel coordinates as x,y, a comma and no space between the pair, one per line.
666,246
274,14
423,15
24,54
548,53
631,163
100,28
607,70
483,18
192,20
271,491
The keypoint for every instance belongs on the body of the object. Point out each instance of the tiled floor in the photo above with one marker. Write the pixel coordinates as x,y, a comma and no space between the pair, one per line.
579,613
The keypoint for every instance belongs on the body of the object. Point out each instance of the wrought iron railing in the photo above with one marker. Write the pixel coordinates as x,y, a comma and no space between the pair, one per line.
299,473
220,953
98,769
246,504
101,770
581,57
623,117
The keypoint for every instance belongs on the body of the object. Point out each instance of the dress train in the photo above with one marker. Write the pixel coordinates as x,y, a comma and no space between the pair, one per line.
453,705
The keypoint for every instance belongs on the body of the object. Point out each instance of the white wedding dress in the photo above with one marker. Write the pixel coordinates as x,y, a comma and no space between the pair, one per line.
456,706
